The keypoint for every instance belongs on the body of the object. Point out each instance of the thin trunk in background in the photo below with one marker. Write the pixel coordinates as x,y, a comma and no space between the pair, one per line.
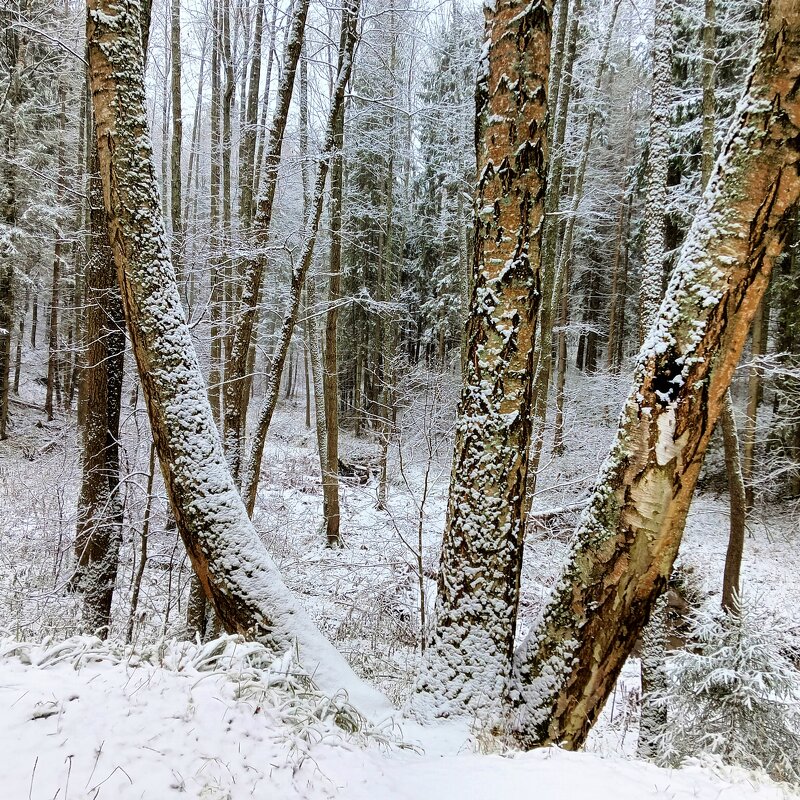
176,176
330,486
252,469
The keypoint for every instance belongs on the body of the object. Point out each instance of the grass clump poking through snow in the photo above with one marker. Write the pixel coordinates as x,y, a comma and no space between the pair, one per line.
733,695
256,677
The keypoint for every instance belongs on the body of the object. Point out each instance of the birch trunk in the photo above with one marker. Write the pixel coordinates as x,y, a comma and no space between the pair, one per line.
468,660
629,535
232,563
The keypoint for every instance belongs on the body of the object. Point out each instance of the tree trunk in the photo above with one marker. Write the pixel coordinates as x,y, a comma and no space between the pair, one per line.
753,400
468,660
99,528
629,535
236,387
176,177
253,467
330,486
227,554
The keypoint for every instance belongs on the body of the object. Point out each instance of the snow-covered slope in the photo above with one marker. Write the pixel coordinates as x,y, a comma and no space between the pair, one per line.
81,720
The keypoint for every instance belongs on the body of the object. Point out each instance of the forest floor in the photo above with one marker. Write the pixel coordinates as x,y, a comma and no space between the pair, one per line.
124,726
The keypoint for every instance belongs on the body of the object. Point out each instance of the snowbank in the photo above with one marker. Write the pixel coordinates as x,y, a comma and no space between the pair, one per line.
200,725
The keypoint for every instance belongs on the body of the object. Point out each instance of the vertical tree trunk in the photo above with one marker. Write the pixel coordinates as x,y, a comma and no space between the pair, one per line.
176,177
757,350
468,660
53,355
654,643
99,528
215,263
330,486
234,567
629,535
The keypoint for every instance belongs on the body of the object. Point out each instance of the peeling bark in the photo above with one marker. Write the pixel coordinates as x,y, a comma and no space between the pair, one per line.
629,535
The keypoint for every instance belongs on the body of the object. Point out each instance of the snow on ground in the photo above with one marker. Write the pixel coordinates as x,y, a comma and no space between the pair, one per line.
75,727
147,732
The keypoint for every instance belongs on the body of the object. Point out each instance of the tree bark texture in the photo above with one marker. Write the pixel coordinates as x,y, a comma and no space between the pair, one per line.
629,535
99,527
469,657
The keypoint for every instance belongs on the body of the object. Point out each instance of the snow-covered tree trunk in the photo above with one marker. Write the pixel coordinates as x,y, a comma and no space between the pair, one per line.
469,658
176,176
654,640
330,486
232,563
629,535
252,469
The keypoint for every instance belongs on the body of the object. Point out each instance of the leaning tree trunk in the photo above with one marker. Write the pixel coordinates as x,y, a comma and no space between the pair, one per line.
236,367
252,468
629,535
469,657
99,527
230,559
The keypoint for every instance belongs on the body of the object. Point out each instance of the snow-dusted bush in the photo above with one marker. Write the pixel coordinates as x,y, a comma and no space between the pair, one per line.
734,695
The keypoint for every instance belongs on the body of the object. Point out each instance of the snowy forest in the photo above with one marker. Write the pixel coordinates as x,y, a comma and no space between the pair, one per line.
399,399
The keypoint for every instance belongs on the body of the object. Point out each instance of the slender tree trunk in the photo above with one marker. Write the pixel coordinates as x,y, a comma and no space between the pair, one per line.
215,262
330,486
230,559
468,660
629,535
176,176
248,148
236,387
311,330
143,548
757,350
20,342
53,355
253,466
